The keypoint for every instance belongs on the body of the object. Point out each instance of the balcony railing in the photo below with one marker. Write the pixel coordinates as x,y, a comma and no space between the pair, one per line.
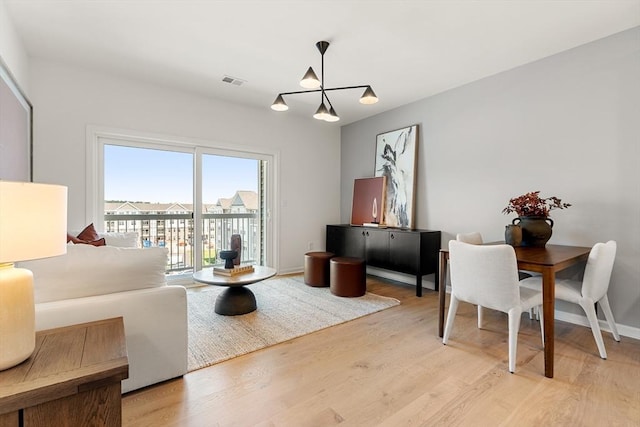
176,232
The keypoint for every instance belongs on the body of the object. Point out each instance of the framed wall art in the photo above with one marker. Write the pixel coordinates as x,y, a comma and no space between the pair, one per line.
15,130
368,201
396,155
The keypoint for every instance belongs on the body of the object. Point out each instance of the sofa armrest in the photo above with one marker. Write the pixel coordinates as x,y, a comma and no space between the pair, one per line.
155,325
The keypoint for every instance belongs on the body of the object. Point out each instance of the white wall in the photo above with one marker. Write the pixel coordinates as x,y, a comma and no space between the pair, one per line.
12,52
567,125
66,99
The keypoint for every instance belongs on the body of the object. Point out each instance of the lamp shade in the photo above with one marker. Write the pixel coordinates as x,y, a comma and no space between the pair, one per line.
33,221
368,97
321,113
310,80
332,116
279,104
33,224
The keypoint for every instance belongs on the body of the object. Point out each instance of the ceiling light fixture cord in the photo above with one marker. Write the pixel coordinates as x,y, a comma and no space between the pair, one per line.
322,109
322,95
310,80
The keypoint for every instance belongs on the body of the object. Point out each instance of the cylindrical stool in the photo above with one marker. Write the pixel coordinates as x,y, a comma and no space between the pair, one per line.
348,277
316,268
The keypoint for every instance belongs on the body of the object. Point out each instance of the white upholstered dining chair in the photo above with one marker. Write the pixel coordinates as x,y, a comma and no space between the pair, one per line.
591,290
488,276
473,238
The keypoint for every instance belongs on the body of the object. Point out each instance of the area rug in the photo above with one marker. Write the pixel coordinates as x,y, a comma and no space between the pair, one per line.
287,308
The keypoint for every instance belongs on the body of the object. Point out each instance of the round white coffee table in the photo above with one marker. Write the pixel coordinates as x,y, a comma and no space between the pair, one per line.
236,299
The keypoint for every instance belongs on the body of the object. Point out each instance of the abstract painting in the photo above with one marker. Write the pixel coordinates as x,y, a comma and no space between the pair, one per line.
396,153
368,200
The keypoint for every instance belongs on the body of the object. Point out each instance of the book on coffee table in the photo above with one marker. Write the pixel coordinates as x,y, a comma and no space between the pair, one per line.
241,269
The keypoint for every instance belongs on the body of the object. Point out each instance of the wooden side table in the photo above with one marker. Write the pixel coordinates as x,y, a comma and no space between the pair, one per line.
73,378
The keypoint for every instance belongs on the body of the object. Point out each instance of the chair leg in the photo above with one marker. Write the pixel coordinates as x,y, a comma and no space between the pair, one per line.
451,315
608,314
590,310
541,317
480,317
534,313
514,327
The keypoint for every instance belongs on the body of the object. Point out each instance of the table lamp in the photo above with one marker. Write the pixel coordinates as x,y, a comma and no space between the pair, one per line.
33,224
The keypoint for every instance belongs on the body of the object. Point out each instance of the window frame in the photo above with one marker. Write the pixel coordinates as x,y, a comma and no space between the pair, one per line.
98,136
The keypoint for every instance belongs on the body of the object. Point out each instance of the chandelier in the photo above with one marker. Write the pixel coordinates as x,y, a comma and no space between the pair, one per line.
311,82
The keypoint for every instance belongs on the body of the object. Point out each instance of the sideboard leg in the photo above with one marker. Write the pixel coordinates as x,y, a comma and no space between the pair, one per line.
418,285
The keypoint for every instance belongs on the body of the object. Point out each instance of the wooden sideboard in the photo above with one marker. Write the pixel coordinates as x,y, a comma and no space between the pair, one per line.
73,378
406,251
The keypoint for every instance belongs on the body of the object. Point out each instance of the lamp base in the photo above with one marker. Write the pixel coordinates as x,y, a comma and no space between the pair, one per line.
17,316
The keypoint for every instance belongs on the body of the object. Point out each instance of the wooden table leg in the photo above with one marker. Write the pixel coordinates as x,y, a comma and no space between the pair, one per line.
548,308
442,291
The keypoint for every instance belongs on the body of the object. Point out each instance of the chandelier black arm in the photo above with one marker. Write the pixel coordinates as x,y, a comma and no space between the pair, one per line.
326,90
347,87
300,91
327,98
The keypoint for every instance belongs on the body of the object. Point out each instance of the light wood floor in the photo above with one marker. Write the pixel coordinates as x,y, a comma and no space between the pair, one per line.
391,369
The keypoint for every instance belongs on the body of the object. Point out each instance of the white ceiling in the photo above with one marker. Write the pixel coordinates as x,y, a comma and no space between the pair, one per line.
406,50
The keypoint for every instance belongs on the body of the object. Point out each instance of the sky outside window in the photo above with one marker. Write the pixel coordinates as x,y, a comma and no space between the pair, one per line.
159,176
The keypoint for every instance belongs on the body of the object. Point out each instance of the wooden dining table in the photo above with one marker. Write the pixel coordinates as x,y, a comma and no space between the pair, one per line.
548,261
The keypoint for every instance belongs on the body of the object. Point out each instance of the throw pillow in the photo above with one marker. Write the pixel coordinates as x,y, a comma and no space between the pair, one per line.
76,241
99,242
88,236
73,239
129,239
126,239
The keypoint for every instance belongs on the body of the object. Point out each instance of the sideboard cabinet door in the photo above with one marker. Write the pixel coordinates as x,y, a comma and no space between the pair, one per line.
377,247
404,252
346,241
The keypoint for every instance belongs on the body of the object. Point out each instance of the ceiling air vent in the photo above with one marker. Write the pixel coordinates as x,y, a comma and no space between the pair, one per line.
233,80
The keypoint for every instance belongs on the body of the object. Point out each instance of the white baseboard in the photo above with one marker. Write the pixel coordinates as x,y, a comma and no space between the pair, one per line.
576,319
294,270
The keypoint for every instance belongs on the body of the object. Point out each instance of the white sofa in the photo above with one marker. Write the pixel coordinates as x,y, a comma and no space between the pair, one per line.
91,283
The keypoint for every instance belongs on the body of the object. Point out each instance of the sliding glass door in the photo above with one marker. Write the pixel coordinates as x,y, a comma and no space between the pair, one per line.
232,206
188,199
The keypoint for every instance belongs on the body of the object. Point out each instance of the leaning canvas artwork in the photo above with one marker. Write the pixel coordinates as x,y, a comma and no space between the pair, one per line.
368,201
396,153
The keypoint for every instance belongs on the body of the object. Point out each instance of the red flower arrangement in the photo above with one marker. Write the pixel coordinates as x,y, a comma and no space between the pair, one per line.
531,204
